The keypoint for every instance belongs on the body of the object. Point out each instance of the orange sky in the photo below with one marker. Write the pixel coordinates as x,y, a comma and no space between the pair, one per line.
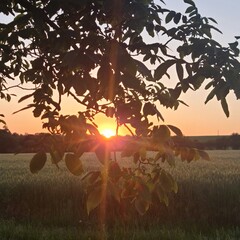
198,119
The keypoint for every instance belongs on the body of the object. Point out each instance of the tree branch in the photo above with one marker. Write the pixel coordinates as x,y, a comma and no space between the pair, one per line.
19,86
126,126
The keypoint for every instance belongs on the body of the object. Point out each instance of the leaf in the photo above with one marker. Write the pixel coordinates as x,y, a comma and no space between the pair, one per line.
114,171
216,29
91,177
141,205
210,95
150,29
159,115
161,195
81,148
184,19
93,130
74,164
102,153
167,182
38,110
210,84
204,155
147,57
143,69
190,9
176,92
189,69
213,20
234,45
176,130
128,188
70,59
182,102
56,153
162,69
78,85
179,69
110,112
25,97
189,2
225,106
199,79
191,155
115,191
2,121
38,161
207,31
196,154
177,18
162,134
184,153
8,97
170,16
149,109
27,107
94,199
163,49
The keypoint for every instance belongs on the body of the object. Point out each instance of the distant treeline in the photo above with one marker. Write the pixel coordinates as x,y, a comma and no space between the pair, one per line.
210,142
29,143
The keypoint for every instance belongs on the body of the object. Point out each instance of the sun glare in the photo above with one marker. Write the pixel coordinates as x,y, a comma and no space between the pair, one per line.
108,133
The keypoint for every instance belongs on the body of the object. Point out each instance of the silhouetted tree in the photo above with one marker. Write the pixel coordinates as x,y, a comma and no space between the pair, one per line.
99,53
7,141
234,140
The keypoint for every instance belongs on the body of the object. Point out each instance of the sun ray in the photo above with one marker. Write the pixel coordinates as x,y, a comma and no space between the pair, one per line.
108,133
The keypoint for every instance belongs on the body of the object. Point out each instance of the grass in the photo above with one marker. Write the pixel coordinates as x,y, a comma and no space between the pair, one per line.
10,230
50,204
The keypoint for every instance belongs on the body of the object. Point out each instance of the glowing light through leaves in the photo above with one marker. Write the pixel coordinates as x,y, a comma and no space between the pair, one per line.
108,133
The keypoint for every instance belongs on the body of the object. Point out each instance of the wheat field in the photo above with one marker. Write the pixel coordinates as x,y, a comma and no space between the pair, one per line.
208,197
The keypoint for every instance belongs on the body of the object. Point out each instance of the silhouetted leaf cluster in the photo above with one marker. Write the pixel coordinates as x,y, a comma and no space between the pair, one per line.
99,54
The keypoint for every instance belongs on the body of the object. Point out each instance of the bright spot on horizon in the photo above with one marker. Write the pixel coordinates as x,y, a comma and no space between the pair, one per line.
108,133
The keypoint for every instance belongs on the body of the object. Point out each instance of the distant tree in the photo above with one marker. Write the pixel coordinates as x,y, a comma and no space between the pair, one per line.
234,141
7,142
221,143
112,57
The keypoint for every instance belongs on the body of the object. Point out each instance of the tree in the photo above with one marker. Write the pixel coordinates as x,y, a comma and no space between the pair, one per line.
7,142
234,141
99,53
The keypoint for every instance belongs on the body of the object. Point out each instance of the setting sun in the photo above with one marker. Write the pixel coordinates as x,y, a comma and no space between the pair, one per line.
107,133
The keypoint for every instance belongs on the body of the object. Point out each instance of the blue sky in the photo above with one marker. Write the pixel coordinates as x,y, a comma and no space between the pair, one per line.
198,119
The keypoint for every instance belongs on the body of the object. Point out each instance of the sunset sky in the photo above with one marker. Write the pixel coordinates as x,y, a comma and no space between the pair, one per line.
197,119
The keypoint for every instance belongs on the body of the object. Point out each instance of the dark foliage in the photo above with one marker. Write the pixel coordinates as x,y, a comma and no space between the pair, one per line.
31,143
99,53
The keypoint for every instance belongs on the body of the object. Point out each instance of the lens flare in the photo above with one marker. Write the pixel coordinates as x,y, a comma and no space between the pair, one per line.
108,133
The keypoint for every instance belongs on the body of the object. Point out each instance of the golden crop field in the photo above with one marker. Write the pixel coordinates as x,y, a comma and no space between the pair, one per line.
208,190
51,203
224,167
